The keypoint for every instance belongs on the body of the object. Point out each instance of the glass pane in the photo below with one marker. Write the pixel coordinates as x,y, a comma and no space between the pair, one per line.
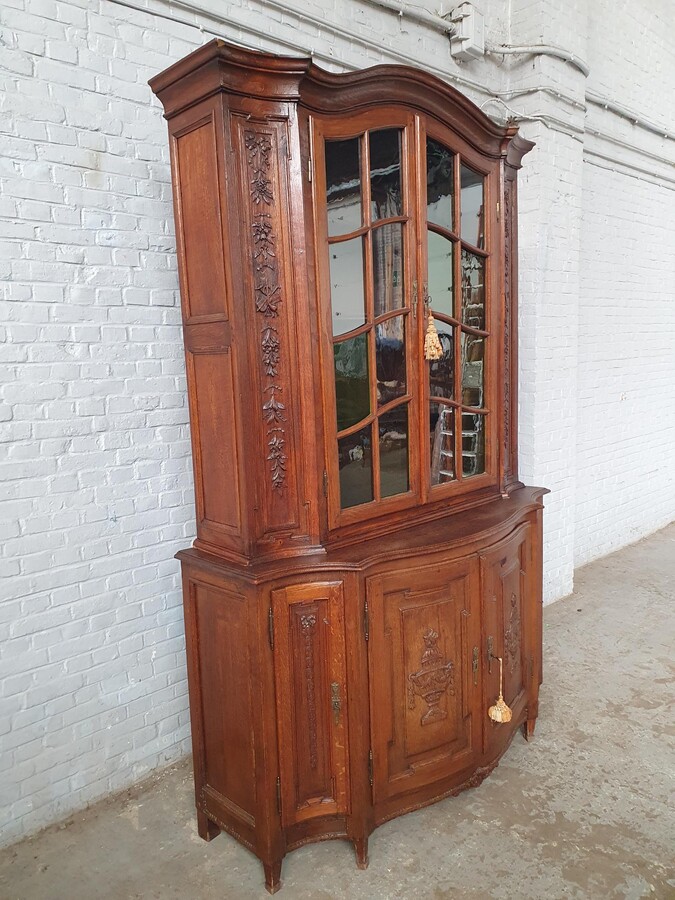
343,186
356,468
388,268
473,353
440,254
351,381
442,443
393,430
473,444
441,371
346,285
473,221
440,182
473,290
390,356
385,173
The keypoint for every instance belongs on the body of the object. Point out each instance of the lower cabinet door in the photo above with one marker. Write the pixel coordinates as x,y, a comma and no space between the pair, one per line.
508,601
311,695
423,650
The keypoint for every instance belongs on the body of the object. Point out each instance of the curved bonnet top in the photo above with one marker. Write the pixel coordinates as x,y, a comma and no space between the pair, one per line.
222,67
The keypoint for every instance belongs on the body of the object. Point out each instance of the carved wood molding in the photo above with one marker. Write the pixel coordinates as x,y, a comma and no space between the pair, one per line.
508,462
268,296
512,635
308,625
430,682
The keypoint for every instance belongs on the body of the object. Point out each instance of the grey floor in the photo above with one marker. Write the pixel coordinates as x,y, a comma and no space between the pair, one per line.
582,812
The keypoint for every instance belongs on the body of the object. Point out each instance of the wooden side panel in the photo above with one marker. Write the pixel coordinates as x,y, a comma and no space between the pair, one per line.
222,702
199,220
202,235
309,659
424,692
507,607
213,438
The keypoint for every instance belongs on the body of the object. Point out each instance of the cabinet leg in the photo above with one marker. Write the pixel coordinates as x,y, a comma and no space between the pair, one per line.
361,851
272,876
206,828
528,728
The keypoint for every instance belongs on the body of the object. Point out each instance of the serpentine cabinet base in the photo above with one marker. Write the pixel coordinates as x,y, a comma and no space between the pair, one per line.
331,694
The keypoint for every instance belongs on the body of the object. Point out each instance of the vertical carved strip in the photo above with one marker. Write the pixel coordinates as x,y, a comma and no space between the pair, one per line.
308,625
268,297
512,635
508,186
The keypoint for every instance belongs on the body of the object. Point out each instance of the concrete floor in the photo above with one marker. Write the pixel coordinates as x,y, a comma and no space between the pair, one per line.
582,812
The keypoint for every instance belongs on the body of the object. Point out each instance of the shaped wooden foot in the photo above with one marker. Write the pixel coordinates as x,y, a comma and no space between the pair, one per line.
272,876
361,850
528,728
206,828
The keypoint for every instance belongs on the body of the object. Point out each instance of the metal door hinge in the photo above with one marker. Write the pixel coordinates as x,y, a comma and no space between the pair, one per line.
498,210
370,767
309,168
532,667
366,620
270,627
325,483
279,794
474,665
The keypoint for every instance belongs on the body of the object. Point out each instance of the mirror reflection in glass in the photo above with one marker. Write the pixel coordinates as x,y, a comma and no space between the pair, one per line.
393,433
442,371
385,173
473,444
356,468
442,442
352,390
473,290
440,182
388,268
473,352
390,357
343,186
473,217
346,285
440,253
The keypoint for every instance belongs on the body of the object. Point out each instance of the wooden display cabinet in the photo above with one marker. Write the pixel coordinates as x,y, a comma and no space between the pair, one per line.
366,557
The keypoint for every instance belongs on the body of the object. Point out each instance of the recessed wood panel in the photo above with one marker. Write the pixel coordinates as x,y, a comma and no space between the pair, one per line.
199,233
504,576
227,703
311,699
213,437
423,692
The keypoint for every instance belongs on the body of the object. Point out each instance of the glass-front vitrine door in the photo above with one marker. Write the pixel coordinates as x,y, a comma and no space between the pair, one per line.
456,296
366,180
403,239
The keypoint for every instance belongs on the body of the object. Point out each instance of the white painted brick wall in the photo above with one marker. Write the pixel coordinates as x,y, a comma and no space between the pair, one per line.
626,408
96,483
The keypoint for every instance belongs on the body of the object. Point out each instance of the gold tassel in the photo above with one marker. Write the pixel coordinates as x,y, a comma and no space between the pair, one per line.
500,712
432,345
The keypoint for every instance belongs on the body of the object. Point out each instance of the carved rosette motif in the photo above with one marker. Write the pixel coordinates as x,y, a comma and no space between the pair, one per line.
512,635
268,297
308,625
508,187
432,680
